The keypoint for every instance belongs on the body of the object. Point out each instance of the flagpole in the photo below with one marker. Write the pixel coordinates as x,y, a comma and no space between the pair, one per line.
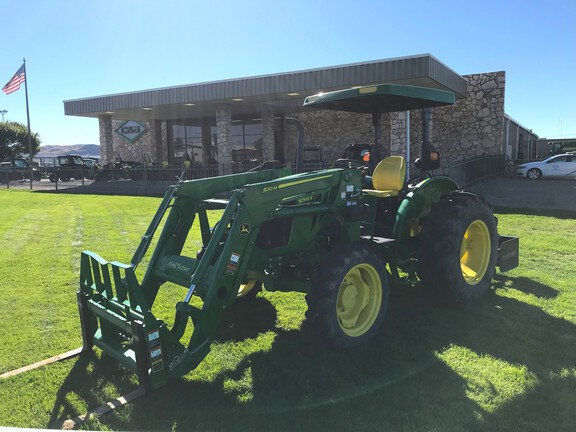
29,130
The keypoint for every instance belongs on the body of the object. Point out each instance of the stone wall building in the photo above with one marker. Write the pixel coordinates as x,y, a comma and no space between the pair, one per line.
245,120
472,127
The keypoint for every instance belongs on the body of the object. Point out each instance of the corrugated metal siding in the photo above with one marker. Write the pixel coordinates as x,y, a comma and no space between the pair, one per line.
401,69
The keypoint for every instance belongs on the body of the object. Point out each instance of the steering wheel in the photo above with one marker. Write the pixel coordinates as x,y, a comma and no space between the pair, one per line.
350,164
412,182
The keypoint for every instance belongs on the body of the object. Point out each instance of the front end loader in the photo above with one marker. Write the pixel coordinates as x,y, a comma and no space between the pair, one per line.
273,230
341,235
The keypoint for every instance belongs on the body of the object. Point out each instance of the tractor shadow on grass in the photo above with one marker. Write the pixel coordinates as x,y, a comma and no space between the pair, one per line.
246,320
401,374
95,378
398,381
527,286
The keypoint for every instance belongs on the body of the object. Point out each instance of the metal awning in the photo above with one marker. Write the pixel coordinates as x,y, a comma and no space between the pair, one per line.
381,98
282,93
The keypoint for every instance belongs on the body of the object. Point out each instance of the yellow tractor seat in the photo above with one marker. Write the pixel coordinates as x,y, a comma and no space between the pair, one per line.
388,177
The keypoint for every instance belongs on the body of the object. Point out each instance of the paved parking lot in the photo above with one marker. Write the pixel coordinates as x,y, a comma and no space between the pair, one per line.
500,192
45,184
530,194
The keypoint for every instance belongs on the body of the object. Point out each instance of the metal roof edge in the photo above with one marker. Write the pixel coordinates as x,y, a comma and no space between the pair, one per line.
509,118
255,77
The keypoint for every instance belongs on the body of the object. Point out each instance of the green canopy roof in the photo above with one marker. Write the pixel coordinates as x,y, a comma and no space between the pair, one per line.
381,98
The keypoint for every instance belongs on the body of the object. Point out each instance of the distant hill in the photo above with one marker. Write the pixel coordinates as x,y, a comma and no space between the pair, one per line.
85,150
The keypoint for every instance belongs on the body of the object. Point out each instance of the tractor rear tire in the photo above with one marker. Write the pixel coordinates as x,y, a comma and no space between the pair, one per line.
458,248
348,298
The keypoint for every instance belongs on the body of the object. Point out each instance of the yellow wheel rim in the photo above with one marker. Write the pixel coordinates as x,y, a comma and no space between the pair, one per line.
414,227
475,252
359,300
245,288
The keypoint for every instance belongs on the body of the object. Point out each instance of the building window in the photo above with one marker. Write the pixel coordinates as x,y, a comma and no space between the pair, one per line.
187,143
190,145
246,142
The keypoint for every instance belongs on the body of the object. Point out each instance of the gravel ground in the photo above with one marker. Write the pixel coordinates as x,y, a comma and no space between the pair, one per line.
528,194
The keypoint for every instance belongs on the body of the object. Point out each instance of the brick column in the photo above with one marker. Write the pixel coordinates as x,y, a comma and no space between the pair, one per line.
157,147
267,136
224,138
106,150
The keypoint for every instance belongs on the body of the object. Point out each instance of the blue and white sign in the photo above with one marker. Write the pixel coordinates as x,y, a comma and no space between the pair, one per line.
131,130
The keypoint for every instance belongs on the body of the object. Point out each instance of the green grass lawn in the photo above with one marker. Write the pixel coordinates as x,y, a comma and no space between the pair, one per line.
505,363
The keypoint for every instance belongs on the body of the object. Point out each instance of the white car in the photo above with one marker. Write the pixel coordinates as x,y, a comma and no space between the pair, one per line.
559,166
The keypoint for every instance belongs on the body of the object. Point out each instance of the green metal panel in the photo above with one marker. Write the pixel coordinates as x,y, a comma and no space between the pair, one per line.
418,203
381,98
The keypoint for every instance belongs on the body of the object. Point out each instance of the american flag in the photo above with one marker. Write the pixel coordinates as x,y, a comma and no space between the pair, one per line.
14,83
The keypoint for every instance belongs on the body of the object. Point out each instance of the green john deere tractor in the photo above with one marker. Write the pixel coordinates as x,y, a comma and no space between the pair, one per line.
340,235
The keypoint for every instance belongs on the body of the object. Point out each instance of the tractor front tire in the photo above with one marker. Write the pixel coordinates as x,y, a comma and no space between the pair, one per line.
458,248
348,298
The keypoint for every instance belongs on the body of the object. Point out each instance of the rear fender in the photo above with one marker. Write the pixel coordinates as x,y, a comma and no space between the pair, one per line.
418,203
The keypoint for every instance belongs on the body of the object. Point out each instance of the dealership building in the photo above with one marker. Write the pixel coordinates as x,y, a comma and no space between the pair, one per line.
247,119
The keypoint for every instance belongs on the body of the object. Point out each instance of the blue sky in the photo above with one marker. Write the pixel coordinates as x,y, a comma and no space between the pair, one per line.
76,49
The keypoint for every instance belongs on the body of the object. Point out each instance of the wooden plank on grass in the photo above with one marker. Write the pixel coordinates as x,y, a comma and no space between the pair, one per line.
104,409
56,358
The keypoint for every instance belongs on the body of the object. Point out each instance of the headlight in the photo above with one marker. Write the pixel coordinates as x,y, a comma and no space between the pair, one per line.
521,166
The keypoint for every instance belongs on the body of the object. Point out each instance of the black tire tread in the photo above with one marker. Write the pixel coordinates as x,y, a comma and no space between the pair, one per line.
439,246
321,320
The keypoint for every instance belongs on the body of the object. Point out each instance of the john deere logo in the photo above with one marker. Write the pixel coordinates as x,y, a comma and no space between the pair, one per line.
131,130
244,229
